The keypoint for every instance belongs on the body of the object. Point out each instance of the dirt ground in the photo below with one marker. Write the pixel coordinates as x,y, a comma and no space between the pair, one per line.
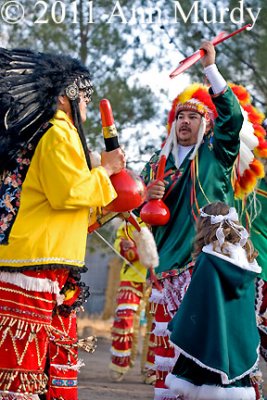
94,383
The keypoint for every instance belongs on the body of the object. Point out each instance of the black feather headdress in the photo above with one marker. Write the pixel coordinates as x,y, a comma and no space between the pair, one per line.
30,84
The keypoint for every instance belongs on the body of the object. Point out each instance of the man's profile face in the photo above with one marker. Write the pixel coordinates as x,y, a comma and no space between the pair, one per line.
83,101
187,127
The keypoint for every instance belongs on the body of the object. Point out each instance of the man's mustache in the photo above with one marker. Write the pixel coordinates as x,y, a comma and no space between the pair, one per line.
184,128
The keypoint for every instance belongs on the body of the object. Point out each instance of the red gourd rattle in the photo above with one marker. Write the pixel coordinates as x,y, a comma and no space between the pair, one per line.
130,188
155,211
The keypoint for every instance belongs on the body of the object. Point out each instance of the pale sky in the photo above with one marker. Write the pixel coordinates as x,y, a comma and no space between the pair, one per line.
156,80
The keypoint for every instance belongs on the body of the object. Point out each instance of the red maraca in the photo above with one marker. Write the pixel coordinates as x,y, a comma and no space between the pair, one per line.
155,212
129,186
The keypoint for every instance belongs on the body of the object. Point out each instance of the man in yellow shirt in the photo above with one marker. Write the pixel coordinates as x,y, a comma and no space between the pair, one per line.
49,193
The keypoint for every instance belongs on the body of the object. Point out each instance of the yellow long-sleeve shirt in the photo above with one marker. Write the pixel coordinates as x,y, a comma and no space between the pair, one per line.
59,199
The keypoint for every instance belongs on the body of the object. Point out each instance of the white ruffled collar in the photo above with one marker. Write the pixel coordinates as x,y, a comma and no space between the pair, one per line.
237,256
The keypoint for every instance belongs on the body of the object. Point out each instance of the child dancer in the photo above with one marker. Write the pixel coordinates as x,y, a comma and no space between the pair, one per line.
215,328
126,325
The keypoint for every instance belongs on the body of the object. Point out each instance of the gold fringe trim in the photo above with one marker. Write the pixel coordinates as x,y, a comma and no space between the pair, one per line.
23,330
122,339
47,321
128,290
116,368
161,375
30,382
151,344
23,327
119,331
153,308
88,344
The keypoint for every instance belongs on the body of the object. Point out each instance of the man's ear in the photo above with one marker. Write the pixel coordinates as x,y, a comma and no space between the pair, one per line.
63,104
62,99
209,124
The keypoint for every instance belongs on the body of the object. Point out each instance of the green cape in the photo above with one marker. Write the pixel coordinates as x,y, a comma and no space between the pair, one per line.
215,325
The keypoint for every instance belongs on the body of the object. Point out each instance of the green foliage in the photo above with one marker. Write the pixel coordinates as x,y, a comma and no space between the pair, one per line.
130,103
113,52
117,53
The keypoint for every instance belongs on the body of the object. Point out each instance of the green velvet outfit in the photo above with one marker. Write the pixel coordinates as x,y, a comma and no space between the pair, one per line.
259,228
215,327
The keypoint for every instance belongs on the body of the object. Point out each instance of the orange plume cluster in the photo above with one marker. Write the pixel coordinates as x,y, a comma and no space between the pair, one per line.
241,93
261,149
245,183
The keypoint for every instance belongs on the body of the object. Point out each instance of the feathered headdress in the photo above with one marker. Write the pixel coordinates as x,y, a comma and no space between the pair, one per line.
30,84
248,169
194,98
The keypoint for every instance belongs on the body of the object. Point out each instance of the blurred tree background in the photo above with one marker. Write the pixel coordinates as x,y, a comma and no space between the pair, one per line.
116,54
241,59
135,40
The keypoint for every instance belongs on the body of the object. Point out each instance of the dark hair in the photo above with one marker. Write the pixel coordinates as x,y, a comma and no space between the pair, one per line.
74,104
206,232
